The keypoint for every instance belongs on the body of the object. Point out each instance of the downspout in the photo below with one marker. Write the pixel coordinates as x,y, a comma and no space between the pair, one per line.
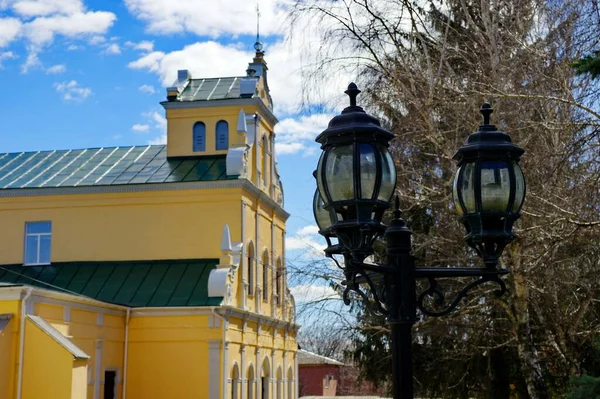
125,356
22,340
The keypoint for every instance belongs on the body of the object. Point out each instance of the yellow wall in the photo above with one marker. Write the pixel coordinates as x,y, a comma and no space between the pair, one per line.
47,366
168,356
79,379
9,349
180,124
183,224
86,333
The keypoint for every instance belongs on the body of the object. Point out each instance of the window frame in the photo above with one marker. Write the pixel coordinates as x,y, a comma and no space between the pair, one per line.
194,135
250,268
225,133
265,277
26,235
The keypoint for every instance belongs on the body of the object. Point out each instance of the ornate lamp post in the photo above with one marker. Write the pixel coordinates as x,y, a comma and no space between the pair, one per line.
356,179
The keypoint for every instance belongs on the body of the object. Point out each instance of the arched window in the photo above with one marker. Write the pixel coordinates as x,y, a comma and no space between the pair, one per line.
265,280
279,383
265,378
278,281
290,383
199,137
235,382
222,135
250,378
251,269
265,145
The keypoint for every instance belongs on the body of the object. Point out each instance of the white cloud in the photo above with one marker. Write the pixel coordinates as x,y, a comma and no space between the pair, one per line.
310,293
298,134
204,18
139,128
144,45
6,55
96,39
148,89
289,148
56,69
72,91
42,30
158,123
308,230
31,62
36,8
9,29
202,59
112,49
73,47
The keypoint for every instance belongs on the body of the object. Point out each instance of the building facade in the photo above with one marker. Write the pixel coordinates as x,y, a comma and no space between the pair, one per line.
152,271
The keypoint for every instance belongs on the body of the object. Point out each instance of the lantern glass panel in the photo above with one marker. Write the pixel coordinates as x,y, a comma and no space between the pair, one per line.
495,186
321,214
388,176
368,170
339,173
457,205
519,187
466,186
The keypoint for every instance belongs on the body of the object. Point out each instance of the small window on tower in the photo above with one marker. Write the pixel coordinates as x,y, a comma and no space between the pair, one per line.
199,137
222,135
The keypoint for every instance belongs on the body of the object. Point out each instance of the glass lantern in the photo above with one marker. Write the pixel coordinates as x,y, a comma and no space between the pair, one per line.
489,189
356,177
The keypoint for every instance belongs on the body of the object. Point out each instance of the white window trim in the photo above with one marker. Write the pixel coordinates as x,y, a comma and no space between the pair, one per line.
38,235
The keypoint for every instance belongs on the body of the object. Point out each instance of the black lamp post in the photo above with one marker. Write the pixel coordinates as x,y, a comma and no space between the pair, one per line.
356,179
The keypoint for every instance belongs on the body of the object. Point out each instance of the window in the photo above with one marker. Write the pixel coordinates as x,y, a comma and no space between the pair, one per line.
199,137
278,281
222,136
266,276
265,153
38,237
109,384
251,270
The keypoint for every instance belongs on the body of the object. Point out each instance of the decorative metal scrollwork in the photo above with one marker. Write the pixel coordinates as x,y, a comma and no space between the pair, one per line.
439,299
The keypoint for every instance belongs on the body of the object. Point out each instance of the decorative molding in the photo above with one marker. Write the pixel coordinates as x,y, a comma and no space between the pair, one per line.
136,188
263,109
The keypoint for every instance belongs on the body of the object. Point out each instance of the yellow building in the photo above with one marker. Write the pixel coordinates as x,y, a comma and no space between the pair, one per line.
152,271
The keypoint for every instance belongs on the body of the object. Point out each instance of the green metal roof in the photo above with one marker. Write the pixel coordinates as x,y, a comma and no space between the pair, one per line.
106,167
134,284
212,89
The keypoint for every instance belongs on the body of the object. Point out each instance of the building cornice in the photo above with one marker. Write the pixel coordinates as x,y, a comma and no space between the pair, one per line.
149,187
264,110
257,318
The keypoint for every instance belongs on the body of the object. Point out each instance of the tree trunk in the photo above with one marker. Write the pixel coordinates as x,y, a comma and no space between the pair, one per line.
528,356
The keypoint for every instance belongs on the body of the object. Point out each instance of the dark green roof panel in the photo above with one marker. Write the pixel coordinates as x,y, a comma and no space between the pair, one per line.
135,284
106,166
208,89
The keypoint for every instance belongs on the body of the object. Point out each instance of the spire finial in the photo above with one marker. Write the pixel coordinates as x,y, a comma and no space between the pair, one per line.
258,45
486,110
352,92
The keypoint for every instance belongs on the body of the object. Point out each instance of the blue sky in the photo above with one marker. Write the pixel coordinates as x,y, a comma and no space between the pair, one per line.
91,73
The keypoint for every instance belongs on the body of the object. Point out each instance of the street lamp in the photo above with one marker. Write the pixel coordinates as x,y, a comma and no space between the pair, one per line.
356,179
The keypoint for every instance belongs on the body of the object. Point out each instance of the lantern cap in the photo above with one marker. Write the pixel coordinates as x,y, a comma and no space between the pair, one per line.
354,122
489,140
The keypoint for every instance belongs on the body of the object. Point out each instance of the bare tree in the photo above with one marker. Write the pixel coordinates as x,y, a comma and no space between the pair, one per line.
426,67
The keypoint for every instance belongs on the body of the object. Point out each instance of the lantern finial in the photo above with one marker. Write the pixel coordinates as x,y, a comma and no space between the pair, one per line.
486,110
352,92
397,211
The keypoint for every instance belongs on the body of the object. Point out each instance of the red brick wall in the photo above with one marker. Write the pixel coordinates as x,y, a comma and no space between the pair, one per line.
312,379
